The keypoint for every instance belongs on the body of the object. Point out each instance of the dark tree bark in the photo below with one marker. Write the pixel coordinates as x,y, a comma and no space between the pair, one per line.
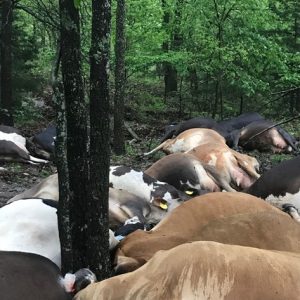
97,225
76,140
6,112
119,140
62,166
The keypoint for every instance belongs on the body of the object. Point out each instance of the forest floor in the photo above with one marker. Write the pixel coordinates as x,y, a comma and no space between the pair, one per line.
17,177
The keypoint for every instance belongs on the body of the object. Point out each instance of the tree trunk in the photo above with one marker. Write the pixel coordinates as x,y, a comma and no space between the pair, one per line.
6,112
76,137
97,225
170,73
119,141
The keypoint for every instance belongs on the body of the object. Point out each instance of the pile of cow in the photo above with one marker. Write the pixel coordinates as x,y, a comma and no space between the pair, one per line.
203,204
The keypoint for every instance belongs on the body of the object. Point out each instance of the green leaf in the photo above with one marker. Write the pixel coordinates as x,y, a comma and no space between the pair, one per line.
77,3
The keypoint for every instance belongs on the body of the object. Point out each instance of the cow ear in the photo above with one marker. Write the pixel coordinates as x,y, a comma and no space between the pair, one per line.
68,282
161,203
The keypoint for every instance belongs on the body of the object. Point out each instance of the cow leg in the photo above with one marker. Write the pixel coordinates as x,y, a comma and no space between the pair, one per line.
291,210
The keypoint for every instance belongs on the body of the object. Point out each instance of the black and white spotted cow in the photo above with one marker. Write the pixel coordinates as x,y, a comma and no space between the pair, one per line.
158,193
13,147
280,185
30,225
29,276
123,205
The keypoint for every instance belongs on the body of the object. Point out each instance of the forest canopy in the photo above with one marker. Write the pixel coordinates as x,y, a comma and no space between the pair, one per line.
211,57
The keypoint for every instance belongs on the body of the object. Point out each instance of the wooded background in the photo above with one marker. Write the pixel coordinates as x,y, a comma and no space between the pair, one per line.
209,57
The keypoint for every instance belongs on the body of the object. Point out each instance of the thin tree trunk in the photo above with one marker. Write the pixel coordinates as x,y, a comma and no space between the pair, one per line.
76,134
97,225
119,140
65,235
170,73
6,115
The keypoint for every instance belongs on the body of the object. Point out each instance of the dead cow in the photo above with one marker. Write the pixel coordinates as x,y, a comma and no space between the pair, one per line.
30,225
233,218
13,147
29,276
123,205
185,172
255,136
206,270
280,185
188,140
234,171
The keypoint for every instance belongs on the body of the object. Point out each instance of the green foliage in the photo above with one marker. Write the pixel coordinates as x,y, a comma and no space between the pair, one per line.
27,112
77,3
249,48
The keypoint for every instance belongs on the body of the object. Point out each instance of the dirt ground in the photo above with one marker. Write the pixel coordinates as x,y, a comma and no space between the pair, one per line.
17,177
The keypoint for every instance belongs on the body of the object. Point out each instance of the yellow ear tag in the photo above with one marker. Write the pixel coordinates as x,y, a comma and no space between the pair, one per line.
163,205
189,192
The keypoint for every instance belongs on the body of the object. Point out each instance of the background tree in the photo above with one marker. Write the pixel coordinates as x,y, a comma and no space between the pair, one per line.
119,141
6,113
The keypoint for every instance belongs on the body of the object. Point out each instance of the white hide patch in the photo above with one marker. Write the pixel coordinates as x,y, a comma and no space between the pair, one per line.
17,139
132,182
178,146
206,288
213,160
278,201
30,226
205,182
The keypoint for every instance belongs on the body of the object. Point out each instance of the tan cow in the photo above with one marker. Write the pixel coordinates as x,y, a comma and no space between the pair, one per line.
188,140
206,271
233,168
234,218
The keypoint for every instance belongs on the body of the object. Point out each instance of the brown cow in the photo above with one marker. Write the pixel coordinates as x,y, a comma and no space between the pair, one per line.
188,140
206,271
233,168
204,218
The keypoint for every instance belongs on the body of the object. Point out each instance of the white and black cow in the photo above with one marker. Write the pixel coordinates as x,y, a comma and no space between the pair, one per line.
30,225
123,205
13,147
29,276
280,185
146,187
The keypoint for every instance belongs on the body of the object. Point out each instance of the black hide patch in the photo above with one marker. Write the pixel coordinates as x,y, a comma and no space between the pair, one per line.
8,129
148,179
121,170
50,202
